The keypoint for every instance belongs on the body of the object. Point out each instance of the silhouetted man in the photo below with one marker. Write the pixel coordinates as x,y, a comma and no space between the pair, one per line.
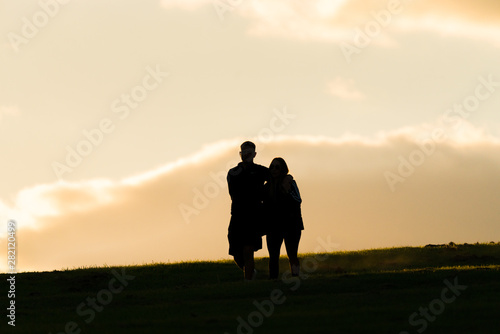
245,183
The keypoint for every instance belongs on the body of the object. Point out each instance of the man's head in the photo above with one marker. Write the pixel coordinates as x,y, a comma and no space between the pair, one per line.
247,152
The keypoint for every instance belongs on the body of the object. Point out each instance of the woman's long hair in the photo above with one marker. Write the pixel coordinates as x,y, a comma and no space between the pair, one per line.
276,182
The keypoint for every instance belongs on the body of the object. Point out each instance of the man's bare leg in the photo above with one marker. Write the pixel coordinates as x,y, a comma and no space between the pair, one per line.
249,262
240,261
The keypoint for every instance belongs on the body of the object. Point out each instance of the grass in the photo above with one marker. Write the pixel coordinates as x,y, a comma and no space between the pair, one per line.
370,291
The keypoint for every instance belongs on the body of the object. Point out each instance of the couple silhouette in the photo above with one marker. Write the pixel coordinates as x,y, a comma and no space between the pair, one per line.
264,201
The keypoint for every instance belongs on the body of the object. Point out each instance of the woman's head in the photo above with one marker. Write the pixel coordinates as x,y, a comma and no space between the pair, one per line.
278,167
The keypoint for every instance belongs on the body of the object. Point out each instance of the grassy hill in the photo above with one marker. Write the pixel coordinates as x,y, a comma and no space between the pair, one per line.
433,289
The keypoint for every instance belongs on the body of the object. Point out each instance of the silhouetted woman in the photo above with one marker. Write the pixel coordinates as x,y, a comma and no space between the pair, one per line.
284,219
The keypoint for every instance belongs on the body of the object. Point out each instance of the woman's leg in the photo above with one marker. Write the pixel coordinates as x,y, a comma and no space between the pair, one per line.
274,241
292,240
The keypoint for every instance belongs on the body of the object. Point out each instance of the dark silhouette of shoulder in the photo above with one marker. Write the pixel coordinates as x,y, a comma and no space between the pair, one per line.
250,168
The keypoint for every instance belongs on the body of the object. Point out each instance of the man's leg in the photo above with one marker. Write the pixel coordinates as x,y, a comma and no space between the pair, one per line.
249,263
235,247
240,261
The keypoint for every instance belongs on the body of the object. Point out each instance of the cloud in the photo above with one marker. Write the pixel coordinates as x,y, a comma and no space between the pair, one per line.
471,19
34,204
446,191
185,4
474,11
8,111
336,20
206,153
296,19
344,89
463,19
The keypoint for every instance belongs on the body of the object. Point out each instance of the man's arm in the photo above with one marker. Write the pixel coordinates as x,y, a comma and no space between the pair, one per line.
232,180
291,188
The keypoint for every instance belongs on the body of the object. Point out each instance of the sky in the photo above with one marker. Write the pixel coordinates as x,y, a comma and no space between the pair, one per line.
120,119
